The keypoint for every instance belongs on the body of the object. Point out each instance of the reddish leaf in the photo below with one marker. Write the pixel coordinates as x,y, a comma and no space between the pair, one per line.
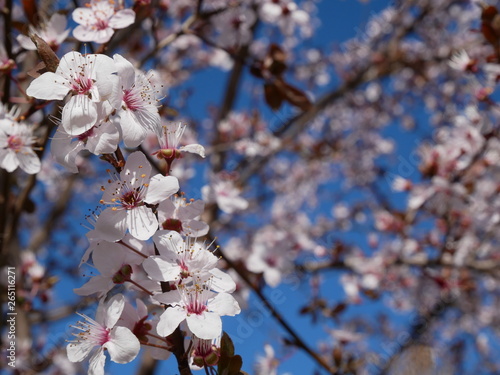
337,356
495,24
489,34
338,309
293,95
275,61
30,11
488,13
235,365
274,96
256,69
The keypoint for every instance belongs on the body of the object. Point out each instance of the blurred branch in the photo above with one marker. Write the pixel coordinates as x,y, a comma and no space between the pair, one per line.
296,340
486,266
421,325
7,30
58,209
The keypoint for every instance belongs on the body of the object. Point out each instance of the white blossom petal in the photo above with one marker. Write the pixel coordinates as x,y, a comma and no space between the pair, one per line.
160,269
170,320
123,346
111,225
224,304
97,284
194,149
160,188
122,19
49,86
206,326
141,222
78,115
96,362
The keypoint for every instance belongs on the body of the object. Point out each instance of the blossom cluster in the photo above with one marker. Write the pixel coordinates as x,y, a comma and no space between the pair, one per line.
108,102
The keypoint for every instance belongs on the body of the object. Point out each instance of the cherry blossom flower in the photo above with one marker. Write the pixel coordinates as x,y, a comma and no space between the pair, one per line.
387,222
114,263
136,103
136,319
102,138
98,19
199,307
268,364
128,197
103,334
269,250
16,147
462,62
184,260
401,184
204,352
234,26
89,80
169,137
225,194
285,14
31,266
344,336
350,284
179,215
53,32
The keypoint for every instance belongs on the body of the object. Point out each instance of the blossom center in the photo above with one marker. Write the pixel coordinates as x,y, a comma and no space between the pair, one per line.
236,22
131,199
91,331
141,329
184,269
15,143
271,261
132,100
82,85
285,10
84,136
123,274
101,24
196,305
172,224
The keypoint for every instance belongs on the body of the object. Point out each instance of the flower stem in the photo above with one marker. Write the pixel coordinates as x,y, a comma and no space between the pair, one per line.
157,337
131,248
154,345
140,287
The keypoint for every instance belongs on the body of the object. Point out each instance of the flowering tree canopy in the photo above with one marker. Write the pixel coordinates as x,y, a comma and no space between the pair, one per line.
231,187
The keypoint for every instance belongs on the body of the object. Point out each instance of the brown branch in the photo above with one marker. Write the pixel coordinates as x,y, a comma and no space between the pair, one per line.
7,23
419,328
